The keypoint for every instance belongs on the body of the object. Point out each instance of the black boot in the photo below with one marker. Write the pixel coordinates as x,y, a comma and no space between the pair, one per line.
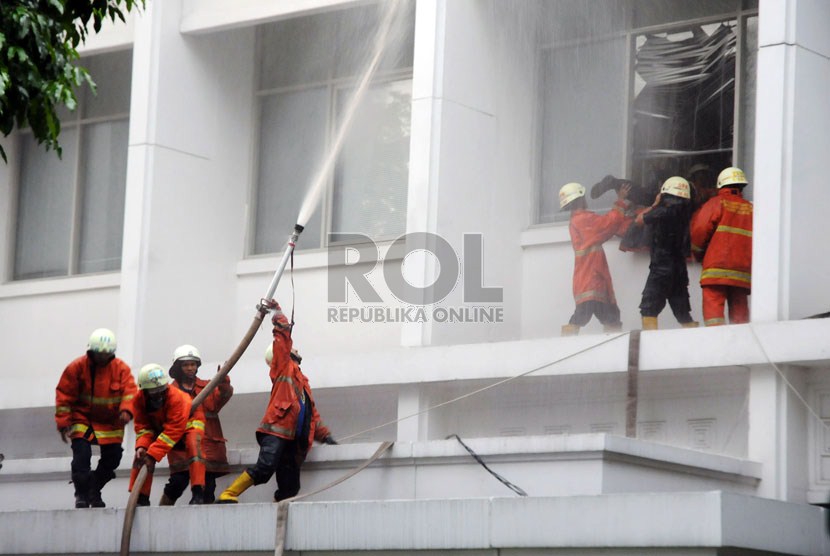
198,496
606,184
143,500
82,482
96,484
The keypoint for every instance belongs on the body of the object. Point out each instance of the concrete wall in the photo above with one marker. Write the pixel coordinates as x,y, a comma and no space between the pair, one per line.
791,136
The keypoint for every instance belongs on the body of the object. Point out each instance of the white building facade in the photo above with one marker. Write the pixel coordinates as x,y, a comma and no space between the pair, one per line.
183,177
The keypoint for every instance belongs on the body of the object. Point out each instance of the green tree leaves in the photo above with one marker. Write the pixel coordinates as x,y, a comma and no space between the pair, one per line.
38,60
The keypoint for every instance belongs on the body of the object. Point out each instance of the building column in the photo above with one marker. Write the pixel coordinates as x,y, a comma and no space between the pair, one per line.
411,429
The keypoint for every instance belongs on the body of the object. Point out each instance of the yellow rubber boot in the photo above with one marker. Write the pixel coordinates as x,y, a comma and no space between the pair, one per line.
570,330
693,324
612,327
649,323
240,485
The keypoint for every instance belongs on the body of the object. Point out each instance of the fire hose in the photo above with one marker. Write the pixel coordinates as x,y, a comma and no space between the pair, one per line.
262,309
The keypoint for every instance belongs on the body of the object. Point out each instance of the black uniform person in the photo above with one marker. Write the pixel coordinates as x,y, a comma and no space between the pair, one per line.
668,279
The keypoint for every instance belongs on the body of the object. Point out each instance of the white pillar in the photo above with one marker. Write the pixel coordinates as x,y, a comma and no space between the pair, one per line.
411,429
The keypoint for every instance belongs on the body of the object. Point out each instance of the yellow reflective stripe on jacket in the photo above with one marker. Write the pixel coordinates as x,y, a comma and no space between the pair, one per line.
290,381
591,293
273,428
96,400
724,273
166,439
143,432
196,424
79,427
110,434
697,249
737,207
61,409
733,230
592,249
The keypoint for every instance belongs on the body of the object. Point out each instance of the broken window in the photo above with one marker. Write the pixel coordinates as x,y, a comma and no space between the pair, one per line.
684,98
643,90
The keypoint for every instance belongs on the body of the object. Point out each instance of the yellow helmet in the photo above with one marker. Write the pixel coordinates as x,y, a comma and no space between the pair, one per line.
731,176
152,376
676,186
102,340
187,352
570,192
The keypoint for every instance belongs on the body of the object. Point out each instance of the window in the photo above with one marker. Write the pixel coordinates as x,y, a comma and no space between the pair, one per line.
307,68
645,90
70,211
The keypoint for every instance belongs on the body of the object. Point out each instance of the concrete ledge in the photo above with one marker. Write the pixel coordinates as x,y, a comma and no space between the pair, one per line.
646,521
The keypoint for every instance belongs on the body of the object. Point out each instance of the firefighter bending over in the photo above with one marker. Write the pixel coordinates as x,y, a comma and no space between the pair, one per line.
290,425
93,402
161,417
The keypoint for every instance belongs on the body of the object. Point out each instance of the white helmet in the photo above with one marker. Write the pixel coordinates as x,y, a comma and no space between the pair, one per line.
187,352
676,186
269,354
152,376
102,340
569,193
731,176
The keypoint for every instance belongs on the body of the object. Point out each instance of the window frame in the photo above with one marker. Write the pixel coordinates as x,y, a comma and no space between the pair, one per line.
741,15
333,85
69,120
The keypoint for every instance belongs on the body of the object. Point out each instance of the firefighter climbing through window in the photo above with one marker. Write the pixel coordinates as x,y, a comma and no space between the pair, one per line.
722,240
291,423
161,419
93,403
593,289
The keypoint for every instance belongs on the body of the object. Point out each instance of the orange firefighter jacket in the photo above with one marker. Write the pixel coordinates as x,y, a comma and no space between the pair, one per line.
158,431
289,385
92,410
205,422
592,278
722,238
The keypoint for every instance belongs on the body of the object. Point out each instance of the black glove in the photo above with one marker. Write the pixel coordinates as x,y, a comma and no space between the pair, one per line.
329,440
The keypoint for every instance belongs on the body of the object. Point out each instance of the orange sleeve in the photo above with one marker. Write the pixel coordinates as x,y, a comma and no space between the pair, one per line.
66,394
174,425
128,388
703,225
144,433
599,228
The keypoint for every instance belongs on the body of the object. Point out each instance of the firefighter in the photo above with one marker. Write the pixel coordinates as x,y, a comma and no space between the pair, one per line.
93,403
722,239
161,416
668,279
592,287
204,458
702,181
290,425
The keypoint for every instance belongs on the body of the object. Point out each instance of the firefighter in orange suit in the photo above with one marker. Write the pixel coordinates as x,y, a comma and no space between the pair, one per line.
722,239
93,402
204,457
161,416
290,425
592,286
